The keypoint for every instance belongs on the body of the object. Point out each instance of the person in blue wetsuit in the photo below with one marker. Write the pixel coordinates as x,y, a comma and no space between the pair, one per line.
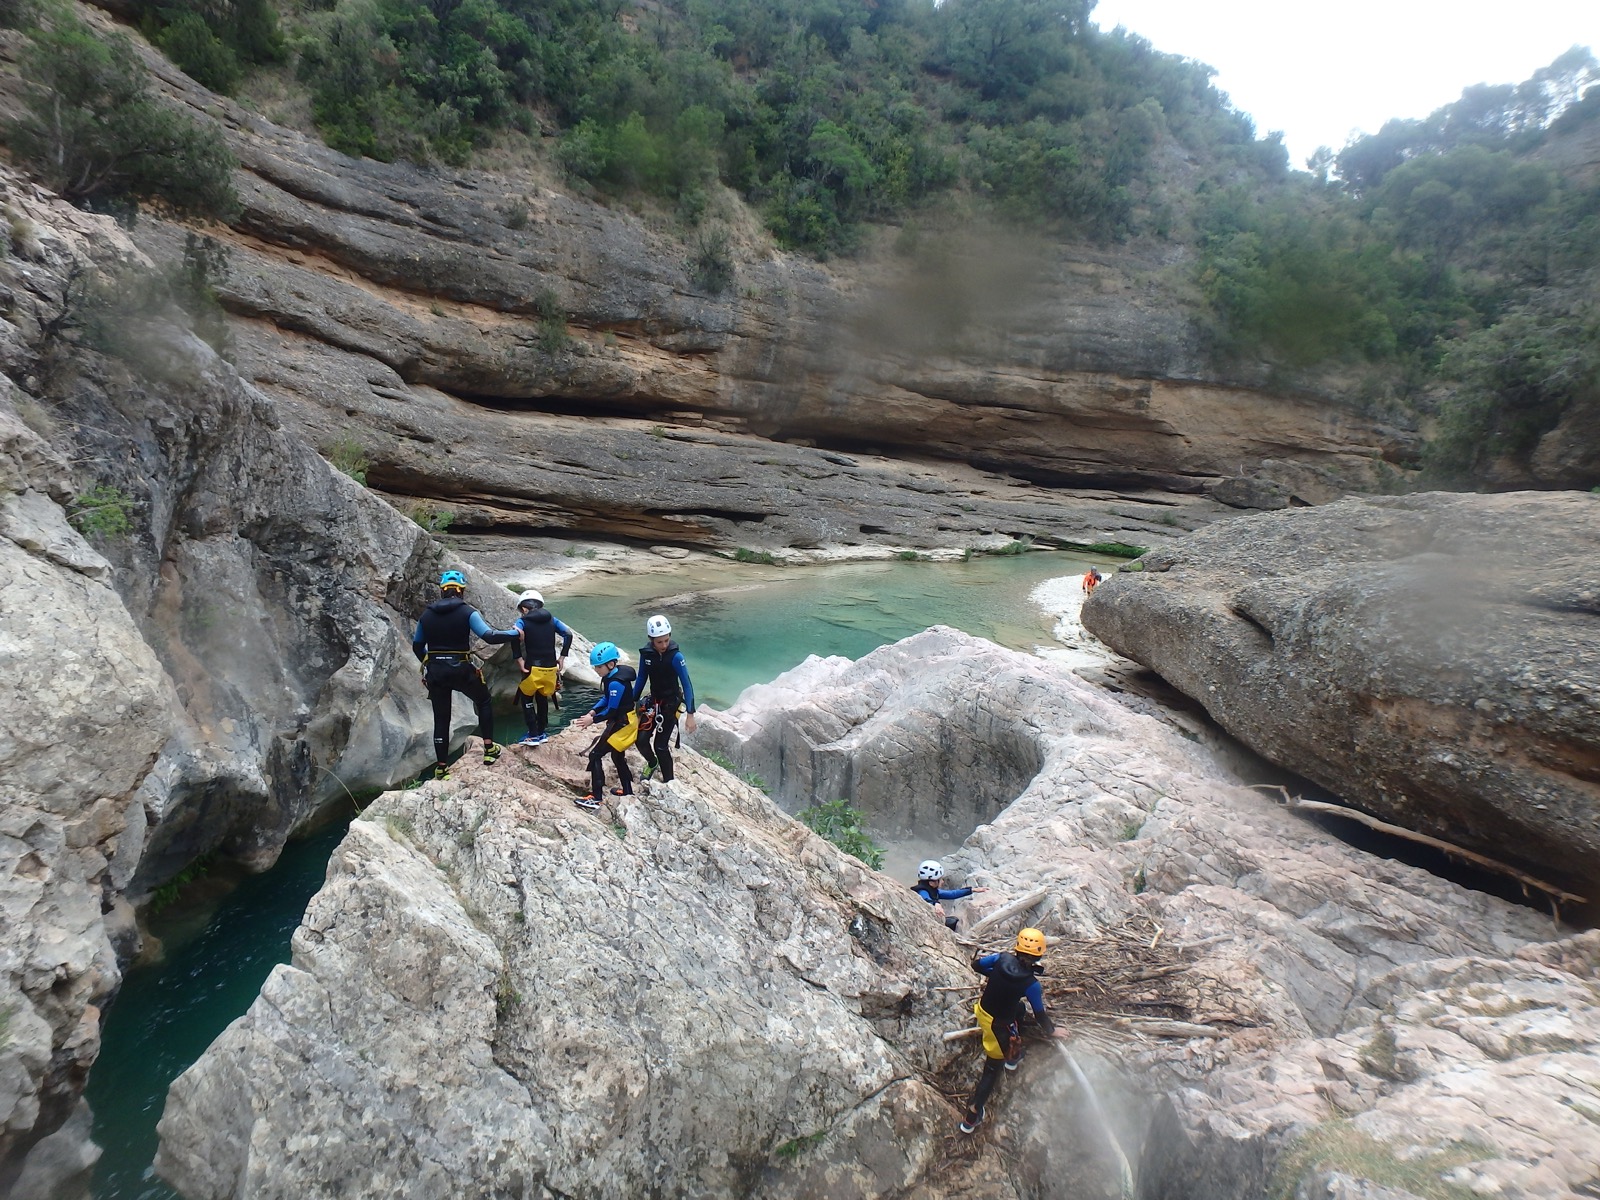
665,675
621,729
442,644
1012,988
540,662
930,886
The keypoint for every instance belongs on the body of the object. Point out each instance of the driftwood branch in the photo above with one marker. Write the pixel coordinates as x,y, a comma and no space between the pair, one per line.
955,1035
1022,904
1156,1027
1410,835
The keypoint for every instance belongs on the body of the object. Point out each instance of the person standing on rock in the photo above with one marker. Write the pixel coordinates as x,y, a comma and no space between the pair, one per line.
930,886
540,662
442,642
621,730
1091,580
1012,987
664,673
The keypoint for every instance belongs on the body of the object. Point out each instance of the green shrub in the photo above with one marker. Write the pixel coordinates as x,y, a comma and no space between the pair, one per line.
350,457
92,130
102,512
839,823
744,555
168,892
711,266
189,42
434,520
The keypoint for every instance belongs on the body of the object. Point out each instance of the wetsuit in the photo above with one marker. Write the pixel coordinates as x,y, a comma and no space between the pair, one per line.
442,644
614,707
538,631
1013,981
666,677
935,894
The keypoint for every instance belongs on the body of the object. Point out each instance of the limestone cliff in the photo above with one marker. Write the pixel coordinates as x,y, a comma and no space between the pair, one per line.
208,676
508,350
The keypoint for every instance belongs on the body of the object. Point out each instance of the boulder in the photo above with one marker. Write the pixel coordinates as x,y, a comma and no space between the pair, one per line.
687,994
1433,659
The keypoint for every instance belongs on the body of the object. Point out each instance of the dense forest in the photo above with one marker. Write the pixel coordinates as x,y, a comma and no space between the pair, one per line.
1443,270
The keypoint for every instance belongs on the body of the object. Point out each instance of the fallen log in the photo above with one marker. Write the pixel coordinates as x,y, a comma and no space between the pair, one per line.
1022,904
1556,895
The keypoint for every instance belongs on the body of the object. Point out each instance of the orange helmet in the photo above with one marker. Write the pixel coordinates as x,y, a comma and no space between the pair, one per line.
1030,942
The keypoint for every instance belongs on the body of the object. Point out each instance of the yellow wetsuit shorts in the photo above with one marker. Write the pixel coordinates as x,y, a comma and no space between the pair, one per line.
540,681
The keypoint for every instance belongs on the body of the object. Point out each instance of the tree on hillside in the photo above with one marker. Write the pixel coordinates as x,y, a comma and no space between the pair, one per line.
92,131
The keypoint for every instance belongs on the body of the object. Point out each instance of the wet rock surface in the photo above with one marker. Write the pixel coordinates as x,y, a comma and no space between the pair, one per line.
692,972
1433,659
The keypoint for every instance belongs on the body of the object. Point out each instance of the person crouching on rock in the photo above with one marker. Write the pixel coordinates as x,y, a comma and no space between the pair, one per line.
664,673
1013,985
930,886
621,729
540,662
442,644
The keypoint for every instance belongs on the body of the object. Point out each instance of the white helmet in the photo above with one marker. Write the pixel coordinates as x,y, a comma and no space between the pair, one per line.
657,626
929,870
529,597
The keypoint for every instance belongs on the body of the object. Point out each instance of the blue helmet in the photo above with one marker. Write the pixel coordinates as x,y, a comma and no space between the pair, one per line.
453,579
603,652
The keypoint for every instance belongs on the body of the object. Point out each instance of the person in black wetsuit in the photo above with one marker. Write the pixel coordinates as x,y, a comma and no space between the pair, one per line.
540,662
442,643
621,724
664,674
1012,987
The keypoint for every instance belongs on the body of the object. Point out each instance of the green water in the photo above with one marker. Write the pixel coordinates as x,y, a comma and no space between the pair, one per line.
221,941
738,624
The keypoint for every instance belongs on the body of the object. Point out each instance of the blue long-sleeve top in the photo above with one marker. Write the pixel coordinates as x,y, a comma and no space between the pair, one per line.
617,696
419,643
663,673
933,895
986,964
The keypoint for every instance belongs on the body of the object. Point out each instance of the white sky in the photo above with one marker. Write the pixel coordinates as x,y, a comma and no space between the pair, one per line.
1319,71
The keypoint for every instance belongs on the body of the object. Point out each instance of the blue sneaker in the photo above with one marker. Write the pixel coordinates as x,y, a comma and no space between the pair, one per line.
529,739
540,739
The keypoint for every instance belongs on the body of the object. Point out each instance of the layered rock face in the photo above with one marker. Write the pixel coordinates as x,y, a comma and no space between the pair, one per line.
206,679
486,339
1368,1019
497,994
1434,659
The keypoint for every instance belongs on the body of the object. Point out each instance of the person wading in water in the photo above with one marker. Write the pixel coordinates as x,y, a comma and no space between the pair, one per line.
442,643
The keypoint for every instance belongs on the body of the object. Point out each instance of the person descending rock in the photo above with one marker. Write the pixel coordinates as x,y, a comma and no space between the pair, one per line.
1012,981
663,671
442,643
540,662
1091,580
930,886
615,708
